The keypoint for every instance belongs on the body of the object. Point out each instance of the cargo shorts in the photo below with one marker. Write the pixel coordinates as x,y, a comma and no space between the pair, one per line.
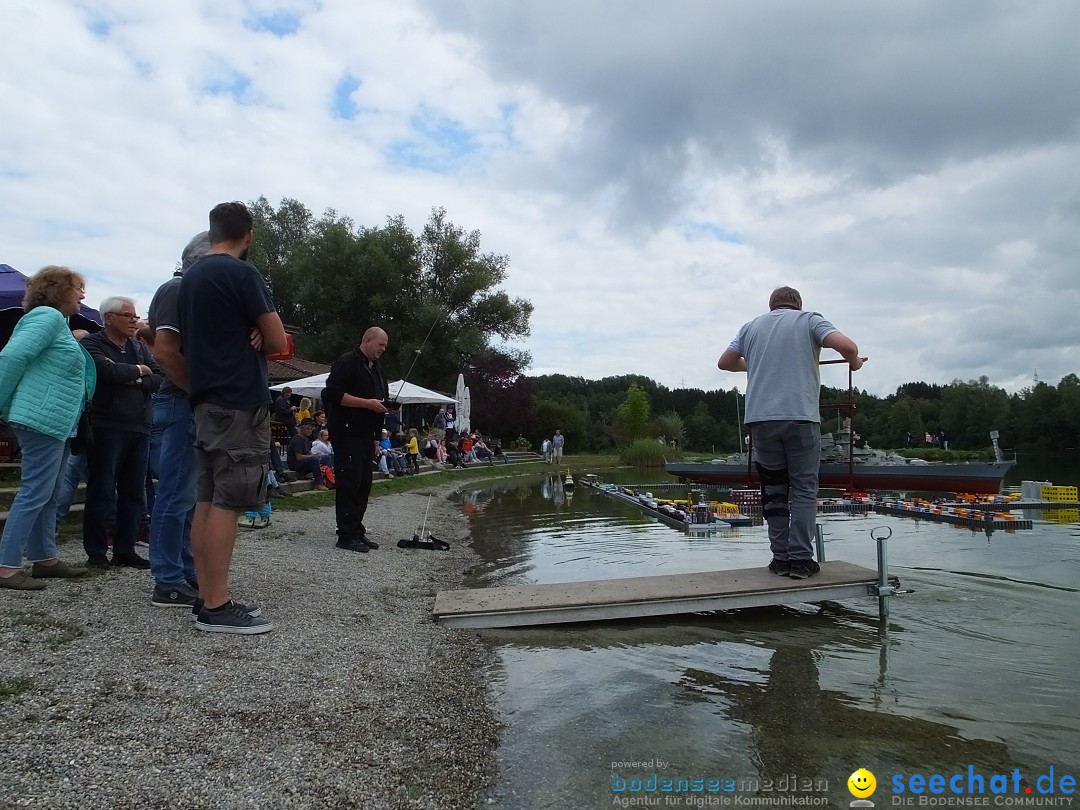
233,451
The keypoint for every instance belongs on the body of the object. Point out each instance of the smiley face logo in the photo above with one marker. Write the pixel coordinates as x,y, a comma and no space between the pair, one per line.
861,783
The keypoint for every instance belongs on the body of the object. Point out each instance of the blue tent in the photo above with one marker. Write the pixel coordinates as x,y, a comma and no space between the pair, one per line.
12,289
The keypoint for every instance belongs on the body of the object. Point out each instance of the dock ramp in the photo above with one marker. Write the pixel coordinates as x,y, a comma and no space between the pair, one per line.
637,597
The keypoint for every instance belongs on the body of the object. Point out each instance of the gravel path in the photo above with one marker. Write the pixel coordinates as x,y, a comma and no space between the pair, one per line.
356,699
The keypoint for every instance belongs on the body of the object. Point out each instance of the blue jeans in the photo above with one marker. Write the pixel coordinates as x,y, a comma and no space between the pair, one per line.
74,473
170,557
115,487
788,455
31,522
305,466
153,464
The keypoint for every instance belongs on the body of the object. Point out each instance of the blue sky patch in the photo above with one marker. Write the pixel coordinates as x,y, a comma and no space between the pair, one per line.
708,230
438,144
278,23
99,27
229,83
342,103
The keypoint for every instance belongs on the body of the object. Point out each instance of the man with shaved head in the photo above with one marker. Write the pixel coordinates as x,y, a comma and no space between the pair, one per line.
355,396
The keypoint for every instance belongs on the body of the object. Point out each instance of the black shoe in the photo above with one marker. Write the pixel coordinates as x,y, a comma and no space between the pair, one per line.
179,596
803,569
367,541
98,561
781,567
232,618
352,545
129,559
251,610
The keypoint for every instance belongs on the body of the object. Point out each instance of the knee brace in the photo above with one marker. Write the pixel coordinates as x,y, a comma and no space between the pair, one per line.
774,492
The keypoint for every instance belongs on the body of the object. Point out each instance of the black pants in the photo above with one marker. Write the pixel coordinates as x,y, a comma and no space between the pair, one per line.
353,465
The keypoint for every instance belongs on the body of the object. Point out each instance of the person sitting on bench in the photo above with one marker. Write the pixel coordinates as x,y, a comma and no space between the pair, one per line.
302,459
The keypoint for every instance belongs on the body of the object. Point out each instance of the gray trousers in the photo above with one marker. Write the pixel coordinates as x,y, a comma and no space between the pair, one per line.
787,455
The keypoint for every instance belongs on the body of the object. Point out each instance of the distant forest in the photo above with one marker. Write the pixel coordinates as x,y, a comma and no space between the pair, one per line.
1040,418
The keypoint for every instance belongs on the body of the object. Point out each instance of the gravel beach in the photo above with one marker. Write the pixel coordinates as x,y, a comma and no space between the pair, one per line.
356,699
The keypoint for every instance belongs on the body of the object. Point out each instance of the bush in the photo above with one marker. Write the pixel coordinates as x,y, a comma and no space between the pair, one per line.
521,443
648,453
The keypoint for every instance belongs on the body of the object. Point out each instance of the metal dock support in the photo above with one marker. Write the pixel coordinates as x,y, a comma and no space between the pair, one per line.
884,587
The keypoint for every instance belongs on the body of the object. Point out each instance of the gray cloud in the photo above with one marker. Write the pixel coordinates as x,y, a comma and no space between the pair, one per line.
874,92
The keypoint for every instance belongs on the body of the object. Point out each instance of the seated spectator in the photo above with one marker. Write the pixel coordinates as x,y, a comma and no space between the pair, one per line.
466,448
429,449
497,452
321,447
453,454
380,460
301,458
390,457
480,450
440,451
320,421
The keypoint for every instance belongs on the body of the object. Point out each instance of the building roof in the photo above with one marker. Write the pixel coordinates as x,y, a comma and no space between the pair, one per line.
294,369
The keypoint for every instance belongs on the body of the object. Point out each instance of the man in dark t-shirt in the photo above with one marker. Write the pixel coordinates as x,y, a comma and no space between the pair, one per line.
301,458
227,325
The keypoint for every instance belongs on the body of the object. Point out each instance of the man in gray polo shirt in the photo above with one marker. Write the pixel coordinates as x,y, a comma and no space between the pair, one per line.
779,352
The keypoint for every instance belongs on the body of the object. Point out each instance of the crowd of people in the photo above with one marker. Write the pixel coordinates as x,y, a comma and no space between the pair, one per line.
168,420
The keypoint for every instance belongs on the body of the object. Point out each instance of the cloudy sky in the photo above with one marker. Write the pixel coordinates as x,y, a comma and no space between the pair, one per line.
652,169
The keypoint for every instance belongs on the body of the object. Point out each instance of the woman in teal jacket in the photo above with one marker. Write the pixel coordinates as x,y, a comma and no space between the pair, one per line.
46,378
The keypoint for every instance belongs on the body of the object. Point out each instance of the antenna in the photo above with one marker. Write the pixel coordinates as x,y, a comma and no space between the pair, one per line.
416,357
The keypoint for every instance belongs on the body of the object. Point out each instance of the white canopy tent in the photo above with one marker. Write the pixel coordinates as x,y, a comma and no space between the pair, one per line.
404,392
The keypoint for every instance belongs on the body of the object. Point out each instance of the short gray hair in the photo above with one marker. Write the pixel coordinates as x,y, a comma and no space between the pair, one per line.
114,303
195,250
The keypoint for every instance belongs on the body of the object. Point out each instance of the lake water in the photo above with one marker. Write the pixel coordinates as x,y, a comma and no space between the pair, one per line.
976,669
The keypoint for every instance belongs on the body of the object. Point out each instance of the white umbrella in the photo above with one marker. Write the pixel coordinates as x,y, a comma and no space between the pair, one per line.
459,407
465,417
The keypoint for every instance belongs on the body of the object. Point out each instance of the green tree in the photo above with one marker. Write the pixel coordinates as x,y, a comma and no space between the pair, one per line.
672,427
632,416
435,293
703,432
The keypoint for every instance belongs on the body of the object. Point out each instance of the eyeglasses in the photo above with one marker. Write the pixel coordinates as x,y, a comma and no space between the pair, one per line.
131,316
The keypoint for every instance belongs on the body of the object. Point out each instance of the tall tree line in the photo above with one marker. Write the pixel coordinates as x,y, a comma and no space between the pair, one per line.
1042,417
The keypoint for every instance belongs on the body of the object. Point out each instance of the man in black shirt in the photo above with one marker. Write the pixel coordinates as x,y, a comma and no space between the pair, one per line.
228,325
120,414
354,397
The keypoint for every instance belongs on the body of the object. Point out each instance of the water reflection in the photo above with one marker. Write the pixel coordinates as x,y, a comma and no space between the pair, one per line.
975,668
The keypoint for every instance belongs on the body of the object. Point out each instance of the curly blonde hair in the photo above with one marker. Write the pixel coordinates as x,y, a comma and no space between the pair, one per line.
50,286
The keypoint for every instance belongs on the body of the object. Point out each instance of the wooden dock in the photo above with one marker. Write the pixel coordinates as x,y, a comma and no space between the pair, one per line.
638,597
